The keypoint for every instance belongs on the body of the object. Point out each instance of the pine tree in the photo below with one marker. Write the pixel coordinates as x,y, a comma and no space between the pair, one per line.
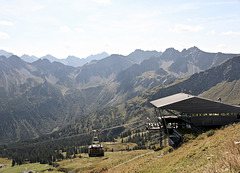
13,163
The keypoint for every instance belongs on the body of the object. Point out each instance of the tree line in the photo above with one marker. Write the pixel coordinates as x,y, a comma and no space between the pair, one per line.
49,152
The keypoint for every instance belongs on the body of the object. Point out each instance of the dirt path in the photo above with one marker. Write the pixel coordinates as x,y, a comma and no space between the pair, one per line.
131,160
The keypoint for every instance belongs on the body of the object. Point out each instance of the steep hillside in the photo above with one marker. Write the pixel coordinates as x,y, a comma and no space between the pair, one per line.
13,74
102,69
55,73
228,91
38,111
199,83
41,97
141,77
217,153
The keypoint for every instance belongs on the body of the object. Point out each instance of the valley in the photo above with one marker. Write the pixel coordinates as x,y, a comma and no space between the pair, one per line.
41,96
43,102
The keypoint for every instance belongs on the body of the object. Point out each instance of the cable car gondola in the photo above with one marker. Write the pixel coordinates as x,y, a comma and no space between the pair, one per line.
96,148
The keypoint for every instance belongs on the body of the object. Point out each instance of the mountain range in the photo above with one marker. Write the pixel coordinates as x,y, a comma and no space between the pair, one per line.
40,97
75,61
70,60
221,81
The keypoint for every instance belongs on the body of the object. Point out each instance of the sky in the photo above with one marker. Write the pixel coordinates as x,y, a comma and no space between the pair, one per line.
85,27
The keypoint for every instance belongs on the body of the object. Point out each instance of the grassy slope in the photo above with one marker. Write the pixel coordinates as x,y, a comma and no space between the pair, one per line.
16,169
98,164
228,91
217,153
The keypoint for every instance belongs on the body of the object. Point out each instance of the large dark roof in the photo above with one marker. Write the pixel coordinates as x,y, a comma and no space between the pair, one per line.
193,104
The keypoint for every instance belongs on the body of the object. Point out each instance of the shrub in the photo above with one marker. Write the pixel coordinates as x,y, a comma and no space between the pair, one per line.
188,137
200,137
55,164
169,149
210,133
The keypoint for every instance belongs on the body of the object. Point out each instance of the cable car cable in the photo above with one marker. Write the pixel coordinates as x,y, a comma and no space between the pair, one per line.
83,134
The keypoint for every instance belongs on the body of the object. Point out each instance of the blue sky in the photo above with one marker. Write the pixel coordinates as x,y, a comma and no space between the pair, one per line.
85,27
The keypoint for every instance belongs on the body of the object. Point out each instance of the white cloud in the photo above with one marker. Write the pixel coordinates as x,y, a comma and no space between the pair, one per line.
4,36
103,1
6,23
65,29
180,28
222,46
231,33
189,6
81,30
212,32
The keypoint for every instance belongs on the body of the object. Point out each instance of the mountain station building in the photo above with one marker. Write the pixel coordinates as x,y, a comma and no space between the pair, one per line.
182,110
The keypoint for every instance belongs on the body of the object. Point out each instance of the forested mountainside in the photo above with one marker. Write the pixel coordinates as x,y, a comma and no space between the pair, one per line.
41,97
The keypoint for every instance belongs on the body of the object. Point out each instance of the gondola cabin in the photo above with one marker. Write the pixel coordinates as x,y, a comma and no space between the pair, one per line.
96,149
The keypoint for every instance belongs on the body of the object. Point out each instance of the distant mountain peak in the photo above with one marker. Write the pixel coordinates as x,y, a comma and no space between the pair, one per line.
50,58
71,57
25,55
47,56
76,62
170,54
138,50
170,51
140,55
143,51
192,49
28,58
98,56
42,61
5,53
14,57
16,61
